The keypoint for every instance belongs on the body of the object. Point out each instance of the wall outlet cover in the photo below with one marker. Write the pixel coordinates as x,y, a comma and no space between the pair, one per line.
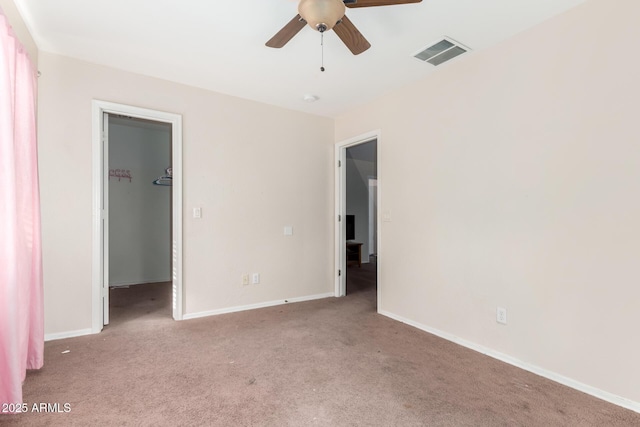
501,315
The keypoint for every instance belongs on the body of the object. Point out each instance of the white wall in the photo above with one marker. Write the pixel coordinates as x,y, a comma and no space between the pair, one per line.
522,194
139,211
252,168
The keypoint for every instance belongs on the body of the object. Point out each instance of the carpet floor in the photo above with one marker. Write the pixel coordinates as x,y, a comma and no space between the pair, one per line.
330,362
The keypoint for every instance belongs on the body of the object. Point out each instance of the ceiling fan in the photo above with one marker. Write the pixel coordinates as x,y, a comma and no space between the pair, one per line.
324,15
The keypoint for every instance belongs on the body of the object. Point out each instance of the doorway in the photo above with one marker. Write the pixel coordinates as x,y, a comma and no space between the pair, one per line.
361,254
139,187
109,174
357,193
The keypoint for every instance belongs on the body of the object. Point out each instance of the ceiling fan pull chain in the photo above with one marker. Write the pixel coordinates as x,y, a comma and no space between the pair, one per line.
322,50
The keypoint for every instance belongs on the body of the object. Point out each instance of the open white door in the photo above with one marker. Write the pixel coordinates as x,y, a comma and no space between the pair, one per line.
105,218
340,231
373,215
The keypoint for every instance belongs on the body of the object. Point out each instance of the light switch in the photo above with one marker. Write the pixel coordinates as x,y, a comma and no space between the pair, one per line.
288,230
386,216
197,212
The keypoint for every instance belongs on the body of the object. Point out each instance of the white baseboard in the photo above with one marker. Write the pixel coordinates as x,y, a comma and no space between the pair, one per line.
138,282
89,331
254,306
593,391
70,334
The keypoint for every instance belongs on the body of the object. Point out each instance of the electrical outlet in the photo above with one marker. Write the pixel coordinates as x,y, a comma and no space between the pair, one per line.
501,315
255,278
245,279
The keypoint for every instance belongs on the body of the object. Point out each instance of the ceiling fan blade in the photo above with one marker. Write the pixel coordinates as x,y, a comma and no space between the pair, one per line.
351,37
287,32
370,3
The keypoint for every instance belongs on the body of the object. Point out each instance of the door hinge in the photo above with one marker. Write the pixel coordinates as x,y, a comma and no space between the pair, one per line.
339,218
339,163
339,273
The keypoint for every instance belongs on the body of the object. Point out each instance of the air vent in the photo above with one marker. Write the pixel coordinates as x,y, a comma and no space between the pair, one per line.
441,51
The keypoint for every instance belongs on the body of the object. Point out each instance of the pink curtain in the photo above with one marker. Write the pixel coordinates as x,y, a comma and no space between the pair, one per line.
21,305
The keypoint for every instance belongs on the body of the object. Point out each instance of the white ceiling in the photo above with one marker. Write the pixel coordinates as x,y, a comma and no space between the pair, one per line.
219,45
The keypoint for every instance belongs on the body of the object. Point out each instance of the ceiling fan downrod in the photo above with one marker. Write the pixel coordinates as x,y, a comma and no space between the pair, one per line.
322,50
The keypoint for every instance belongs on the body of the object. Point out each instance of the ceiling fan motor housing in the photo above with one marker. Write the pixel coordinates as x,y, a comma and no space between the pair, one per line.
321,15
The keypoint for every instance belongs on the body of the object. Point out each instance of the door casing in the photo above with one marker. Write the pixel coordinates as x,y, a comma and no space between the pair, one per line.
341,207
100,261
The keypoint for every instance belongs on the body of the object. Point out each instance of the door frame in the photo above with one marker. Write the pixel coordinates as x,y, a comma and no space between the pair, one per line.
100,255
340,204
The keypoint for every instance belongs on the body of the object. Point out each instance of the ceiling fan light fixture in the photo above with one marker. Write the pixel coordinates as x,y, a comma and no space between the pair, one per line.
321,15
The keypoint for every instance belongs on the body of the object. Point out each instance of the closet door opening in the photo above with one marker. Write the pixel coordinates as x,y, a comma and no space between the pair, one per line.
139,192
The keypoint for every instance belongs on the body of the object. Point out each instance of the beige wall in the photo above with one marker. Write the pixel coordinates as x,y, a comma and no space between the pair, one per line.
20,29
511,178
252,168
